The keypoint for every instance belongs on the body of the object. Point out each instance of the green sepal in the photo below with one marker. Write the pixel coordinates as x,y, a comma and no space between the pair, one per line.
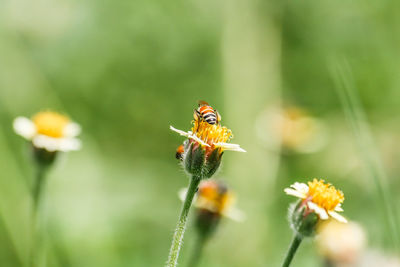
188,158
194,160
198,157
43,157
303,225
212,163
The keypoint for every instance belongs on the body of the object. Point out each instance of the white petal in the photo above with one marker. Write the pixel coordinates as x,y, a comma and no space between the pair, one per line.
235,214
227,146
292,192
69,144
189,135
24,127
337,216
198,140
338,208
179,131
72,129
301,187
318,210
46,142
52,144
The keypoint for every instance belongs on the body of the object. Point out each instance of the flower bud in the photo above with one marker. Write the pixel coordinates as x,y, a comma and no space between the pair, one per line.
202,151
200,162
212,163
302,221
194,159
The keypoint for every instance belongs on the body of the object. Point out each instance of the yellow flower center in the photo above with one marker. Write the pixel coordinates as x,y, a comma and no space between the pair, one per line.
214,197
211,134
50,123
324,195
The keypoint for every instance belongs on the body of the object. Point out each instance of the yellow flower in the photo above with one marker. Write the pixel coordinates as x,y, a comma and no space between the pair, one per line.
50,131
210,136
215,197
319,197
202,151
341,243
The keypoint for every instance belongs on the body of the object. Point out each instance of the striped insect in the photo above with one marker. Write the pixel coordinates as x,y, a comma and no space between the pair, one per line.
206,113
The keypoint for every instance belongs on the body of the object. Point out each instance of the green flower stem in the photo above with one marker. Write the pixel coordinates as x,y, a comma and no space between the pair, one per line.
181,226
37,246
292,250
38,186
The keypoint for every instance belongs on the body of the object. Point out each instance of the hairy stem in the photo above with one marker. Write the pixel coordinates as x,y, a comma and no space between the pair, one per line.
181,226
292,250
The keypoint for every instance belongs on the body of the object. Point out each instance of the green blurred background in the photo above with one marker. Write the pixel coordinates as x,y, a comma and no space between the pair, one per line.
126,70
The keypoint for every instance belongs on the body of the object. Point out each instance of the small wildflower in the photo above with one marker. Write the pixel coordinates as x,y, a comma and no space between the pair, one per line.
341,243
317,196
318,201
204,148
49,131
201,156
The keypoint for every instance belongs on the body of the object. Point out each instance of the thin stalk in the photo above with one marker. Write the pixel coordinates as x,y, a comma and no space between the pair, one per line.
292,250
38,186
197,251
368,152
181,226
36,247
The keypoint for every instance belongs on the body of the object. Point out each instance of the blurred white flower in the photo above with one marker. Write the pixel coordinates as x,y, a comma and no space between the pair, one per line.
376,258
340,243
292,128
50,131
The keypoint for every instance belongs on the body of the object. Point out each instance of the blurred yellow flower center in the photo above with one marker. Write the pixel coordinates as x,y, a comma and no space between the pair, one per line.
211,134
50,123
324,195
214,198
296,127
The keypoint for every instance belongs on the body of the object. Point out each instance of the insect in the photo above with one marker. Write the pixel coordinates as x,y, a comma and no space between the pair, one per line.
207,113
179,152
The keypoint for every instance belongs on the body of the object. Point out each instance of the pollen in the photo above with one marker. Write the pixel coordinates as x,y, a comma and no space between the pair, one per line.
324,195
50,123
211,133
